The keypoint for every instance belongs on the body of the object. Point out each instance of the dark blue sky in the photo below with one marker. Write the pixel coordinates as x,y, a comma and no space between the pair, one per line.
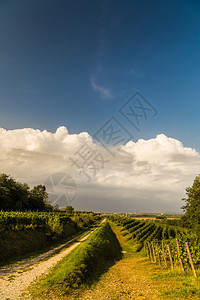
74,63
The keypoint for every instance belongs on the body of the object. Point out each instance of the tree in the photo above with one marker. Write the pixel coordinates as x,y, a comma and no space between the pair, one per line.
38,197
69,209
192,206
13,195
17,196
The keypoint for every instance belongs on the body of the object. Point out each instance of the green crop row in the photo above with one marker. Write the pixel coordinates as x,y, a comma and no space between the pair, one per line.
150,231
85,262
17,220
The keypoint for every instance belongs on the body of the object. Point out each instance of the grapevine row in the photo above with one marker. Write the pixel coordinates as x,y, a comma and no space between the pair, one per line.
150,231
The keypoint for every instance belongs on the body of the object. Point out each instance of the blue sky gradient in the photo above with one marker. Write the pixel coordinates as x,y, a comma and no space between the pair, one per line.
74,63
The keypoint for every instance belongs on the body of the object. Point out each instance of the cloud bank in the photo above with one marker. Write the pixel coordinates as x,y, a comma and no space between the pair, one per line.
147,175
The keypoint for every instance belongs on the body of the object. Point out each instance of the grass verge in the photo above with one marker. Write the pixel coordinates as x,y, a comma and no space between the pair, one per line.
182,286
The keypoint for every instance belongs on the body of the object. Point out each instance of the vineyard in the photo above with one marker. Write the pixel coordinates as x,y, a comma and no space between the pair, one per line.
119,248
17,220
168,245
24,232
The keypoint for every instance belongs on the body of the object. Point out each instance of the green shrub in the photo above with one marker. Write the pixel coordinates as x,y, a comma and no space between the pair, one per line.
54,225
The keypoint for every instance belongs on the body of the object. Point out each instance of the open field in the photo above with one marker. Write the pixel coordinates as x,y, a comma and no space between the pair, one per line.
99,269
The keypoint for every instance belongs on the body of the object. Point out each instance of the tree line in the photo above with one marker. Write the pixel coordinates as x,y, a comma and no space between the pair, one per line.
191,218
16,196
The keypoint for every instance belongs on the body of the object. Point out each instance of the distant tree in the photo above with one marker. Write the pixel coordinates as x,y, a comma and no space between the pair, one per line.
191,217
13,195
38,198
17,196
69,209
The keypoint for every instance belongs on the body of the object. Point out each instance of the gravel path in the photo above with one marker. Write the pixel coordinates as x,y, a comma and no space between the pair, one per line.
26,263
15,279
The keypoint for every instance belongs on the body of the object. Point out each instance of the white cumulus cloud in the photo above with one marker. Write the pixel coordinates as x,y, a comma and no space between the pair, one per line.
147,175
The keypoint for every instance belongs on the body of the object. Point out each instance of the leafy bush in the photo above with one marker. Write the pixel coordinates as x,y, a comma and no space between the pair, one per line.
54,225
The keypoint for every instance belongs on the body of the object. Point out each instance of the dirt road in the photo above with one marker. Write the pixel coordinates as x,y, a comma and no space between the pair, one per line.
14,279
129,278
